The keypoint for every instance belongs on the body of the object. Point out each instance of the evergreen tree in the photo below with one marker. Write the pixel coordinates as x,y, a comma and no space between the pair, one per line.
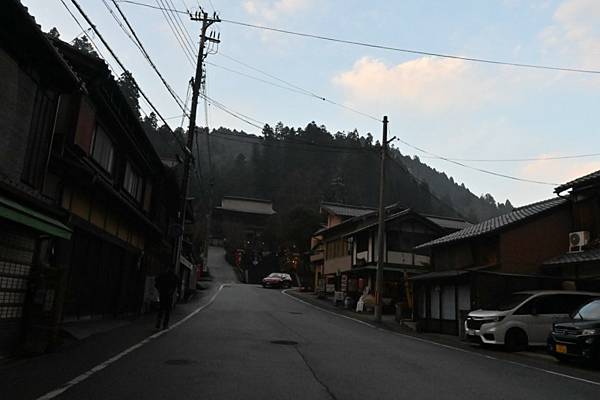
54,33
84,45
130,89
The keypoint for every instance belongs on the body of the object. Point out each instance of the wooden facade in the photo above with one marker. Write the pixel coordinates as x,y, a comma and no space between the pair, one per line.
483,268
34,241
85,203
108,177
404,230
582,265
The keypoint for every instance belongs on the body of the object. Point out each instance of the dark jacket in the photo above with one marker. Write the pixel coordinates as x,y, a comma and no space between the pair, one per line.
166,283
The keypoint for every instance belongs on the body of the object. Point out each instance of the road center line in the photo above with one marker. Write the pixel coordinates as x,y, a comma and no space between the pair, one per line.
101,366
446,346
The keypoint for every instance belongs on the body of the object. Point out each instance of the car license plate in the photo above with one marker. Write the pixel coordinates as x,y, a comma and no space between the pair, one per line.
561,348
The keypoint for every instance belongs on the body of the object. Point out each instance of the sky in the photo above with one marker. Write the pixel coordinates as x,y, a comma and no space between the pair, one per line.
450,107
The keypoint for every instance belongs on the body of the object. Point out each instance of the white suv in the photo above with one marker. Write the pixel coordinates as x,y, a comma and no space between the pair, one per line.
523,319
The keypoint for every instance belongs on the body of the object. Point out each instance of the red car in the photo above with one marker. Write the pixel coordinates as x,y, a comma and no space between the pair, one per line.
277,279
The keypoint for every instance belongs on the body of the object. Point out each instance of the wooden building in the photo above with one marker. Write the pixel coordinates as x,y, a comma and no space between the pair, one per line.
580,261
241,219
120,199
404,230
487,261
34,241
329,250
85,203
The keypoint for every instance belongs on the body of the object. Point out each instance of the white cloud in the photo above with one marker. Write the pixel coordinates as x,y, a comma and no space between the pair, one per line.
575,33
426,83
271,10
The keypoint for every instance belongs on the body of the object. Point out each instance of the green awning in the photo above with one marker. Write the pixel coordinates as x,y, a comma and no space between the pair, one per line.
26,216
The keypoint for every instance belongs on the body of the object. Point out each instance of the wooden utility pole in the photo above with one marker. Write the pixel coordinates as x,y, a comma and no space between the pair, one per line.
202,16
381,227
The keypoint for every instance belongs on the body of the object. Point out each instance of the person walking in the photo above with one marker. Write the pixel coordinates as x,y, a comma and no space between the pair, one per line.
165,283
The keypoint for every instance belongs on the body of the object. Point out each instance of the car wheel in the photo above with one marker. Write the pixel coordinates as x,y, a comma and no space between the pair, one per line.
287,285
515,340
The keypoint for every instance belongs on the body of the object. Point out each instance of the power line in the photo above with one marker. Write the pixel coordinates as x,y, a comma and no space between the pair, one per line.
403,167
211,5
175,28
306,92
249,120
391,48
485,171
112,53
411,51
245,118
136,40
300,145
84,32
137,3
257,79
181,24
293,87
189,55
297,89
550,158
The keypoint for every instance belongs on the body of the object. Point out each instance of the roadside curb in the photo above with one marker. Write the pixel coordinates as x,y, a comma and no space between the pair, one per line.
529,360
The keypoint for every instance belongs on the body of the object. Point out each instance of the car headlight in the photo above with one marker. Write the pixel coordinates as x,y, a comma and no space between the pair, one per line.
498,318
590,332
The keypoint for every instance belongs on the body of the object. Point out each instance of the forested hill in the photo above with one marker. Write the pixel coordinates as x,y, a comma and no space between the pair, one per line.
304,166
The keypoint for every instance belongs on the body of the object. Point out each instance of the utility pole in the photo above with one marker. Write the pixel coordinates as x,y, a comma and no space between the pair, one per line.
381,227
201,16
210,186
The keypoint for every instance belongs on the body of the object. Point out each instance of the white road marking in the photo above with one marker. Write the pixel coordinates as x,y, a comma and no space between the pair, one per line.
575,378
101,366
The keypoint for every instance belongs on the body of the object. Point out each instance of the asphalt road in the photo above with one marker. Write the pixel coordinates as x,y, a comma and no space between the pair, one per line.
241,346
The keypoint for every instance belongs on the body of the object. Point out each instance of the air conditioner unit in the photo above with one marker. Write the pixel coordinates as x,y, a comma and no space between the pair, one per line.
577,240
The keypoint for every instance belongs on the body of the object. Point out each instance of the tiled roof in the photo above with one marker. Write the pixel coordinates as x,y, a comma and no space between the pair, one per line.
442,222
497,223
248,209
578,182
247,205
48,45
448,223
346,210
569,258
439,275
250,199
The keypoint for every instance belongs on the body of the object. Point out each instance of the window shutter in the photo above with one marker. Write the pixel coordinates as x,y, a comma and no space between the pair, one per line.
86,122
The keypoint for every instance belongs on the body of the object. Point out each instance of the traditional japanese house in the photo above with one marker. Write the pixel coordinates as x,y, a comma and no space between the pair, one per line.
105,173
328,265
580,261
482,263
34,241
404,229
